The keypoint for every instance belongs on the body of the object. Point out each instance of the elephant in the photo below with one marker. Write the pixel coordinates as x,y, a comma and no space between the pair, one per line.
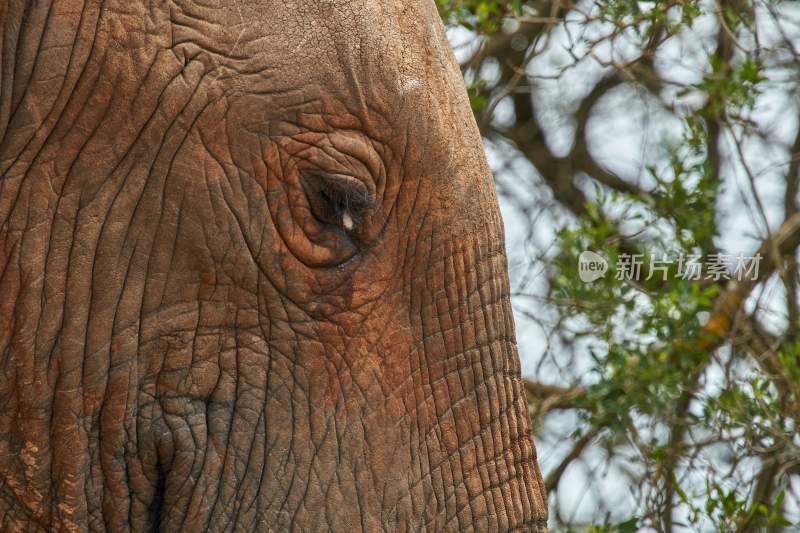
252,275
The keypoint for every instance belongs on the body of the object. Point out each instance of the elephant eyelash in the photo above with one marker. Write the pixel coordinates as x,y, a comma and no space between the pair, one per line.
337,199
343,200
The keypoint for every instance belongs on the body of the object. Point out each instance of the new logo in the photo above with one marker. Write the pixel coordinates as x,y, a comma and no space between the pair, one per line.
591,266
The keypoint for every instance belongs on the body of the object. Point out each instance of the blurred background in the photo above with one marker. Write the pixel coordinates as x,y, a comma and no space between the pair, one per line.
661,134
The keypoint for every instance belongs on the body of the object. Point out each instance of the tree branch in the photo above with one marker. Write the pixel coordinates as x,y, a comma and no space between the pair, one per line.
552,480
543,398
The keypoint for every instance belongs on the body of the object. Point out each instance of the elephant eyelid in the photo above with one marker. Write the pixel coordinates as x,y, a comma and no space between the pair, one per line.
349,190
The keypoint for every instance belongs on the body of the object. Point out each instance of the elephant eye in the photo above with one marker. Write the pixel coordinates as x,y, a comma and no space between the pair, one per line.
337,199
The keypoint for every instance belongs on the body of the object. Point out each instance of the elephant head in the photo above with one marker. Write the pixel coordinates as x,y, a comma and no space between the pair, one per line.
252,275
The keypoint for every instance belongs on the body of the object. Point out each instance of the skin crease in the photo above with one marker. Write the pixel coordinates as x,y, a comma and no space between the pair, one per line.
189,341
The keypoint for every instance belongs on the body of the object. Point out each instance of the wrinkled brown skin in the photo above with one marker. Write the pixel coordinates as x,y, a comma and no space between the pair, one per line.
184,346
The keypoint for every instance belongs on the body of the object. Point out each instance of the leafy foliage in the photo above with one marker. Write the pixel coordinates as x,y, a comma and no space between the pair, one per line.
478,15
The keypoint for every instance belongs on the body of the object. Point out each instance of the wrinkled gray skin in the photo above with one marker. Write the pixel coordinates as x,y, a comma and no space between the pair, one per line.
252,275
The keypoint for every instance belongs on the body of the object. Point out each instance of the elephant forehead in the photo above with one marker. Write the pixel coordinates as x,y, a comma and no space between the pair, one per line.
375,57
344,42
381,58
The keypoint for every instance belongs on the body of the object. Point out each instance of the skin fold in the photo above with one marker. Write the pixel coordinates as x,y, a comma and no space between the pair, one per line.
252,275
